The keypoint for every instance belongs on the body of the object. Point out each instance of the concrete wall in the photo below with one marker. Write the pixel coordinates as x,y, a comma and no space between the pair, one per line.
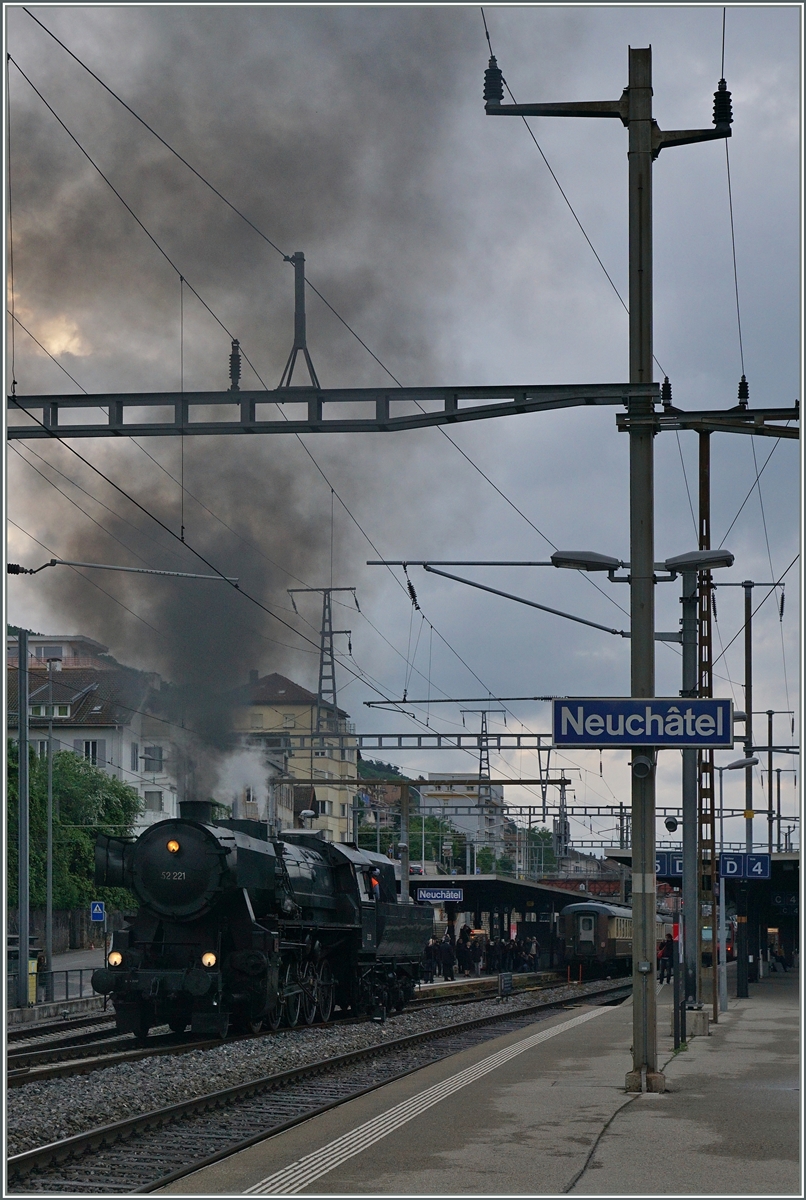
72,928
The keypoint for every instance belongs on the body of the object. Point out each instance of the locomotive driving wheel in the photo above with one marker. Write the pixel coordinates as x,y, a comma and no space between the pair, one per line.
308,982
293,995
327,990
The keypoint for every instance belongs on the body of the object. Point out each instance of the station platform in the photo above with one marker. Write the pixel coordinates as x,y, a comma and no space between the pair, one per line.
543,1112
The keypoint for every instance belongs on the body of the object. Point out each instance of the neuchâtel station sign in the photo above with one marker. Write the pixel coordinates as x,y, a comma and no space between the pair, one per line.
601,723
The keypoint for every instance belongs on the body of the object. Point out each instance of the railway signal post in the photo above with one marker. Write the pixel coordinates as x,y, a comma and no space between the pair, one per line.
646,140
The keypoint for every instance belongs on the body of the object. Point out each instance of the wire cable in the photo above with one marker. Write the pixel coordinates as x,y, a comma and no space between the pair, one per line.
309,283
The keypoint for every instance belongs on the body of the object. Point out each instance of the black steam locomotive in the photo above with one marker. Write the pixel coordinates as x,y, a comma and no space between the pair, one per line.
236,929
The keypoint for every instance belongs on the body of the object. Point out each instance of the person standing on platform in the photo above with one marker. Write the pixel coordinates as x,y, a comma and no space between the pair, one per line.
665,956
448,959
476,955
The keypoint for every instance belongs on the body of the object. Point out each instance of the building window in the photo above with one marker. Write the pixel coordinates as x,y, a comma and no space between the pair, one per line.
49,710
256,720
91,752
135,759
344,810
152,764
48,652
153,801
289,721
42,750
320,753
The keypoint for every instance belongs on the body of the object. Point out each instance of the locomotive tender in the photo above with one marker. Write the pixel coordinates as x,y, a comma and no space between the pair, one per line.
237,928
596,932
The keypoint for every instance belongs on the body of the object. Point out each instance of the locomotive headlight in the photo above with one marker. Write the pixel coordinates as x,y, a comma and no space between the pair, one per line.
115,958
209,959
173,847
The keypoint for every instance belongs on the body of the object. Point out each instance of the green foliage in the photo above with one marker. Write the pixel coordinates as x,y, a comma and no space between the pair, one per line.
373,768
86,801
485,860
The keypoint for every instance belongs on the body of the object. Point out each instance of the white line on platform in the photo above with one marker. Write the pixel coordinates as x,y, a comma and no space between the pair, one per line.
307,1170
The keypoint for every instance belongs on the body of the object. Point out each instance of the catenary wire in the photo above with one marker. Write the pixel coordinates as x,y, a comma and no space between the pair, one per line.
462,452
238,212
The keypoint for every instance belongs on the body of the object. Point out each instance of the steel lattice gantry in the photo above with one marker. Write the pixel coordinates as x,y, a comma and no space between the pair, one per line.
332,410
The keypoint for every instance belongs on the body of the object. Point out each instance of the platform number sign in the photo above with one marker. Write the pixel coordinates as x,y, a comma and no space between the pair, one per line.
758,866
97,912
662,863
744,866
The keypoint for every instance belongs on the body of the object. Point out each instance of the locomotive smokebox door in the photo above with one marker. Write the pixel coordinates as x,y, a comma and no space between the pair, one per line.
369,926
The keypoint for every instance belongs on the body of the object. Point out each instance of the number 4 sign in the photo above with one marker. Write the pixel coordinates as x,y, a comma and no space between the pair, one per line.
758,866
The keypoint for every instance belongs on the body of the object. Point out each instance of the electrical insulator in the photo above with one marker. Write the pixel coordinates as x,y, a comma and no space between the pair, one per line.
412,594
235,366
666,393
493,82
744,392
723,110
13,568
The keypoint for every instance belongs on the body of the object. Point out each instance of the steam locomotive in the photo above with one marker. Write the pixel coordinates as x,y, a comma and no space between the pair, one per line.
239,930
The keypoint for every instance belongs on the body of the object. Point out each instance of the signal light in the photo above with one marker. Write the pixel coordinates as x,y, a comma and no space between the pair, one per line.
172,847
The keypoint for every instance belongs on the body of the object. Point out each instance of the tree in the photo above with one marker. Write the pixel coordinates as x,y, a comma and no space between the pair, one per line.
485,860
86,801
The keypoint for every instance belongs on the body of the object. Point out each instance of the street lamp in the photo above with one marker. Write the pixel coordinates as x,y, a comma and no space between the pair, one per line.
739,765
307,814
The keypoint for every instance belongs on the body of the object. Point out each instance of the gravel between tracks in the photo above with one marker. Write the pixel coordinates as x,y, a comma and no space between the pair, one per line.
44,1112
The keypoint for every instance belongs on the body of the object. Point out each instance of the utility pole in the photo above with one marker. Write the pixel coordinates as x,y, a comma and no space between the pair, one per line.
485,795
748,708
404,844
707,882
23,878
646,140
326,691
770,811
691,889
49,865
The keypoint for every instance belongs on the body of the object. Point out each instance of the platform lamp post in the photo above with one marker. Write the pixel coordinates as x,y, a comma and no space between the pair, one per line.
739,765
51,660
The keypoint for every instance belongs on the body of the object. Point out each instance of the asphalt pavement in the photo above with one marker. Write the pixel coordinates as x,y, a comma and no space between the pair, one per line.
543,1111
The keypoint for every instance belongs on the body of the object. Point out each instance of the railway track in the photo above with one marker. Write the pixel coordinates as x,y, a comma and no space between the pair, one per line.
82,1053
210,1127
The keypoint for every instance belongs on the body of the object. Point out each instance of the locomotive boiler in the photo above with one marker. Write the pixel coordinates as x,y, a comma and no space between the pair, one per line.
238,929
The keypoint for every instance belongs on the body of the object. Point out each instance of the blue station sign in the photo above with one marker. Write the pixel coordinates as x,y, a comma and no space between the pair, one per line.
611,723
745,866
441,895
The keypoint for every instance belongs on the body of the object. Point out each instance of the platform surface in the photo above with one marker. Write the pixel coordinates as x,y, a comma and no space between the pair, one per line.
543,1111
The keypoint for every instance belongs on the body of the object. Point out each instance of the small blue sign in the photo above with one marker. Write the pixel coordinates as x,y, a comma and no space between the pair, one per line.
97,910
675,864
662,863
758,866
731,866
601,723
441,895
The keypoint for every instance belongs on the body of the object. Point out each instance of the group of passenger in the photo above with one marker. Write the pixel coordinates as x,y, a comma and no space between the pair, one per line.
473,954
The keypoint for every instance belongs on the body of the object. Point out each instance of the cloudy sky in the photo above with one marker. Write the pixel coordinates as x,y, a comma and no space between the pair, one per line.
358,135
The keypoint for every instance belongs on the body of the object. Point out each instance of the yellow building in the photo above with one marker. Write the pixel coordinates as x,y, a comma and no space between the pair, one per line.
272,712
